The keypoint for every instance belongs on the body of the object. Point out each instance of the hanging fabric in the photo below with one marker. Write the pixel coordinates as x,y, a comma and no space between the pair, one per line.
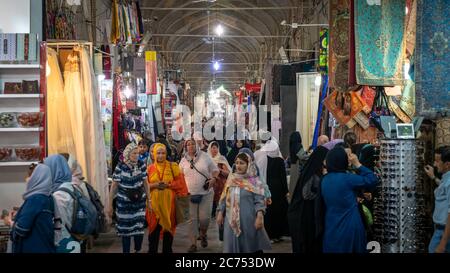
410,32
93,129
75,98
323,94
339,44
351,41
127,25
431,58
442,132
379,42
59,130
308,94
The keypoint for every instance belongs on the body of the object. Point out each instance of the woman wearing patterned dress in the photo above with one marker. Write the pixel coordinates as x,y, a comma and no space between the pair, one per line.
129,183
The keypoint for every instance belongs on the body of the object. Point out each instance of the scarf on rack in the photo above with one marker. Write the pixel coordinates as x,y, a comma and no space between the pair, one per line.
219,158
126,155
162,201
231,193
40,182
60,170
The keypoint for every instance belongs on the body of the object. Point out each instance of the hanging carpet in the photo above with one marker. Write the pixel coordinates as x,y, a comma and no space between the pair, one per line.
431,58
379,42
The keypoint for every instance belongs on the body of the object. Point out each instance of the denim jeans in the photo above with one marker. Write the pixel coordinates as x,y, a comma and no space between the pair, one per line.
436,239
126,243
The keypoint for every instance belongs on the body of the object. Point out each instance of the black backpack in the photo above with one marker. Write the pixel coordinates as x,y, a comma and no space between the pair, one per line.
101,218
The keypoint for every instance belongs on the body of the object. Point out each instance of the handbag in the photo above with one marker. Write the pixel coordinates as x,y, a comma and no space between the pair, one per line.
134,195
196,198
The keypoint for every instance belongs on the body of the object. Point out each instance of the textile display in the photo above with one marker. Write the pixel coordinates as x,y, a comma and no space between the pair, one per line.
59,131
151,73
431,58
93,130
379,42
323,51
367,94
307,106
339,43
81,118
127,25
356,104
351,42
442,132
408,99
410,33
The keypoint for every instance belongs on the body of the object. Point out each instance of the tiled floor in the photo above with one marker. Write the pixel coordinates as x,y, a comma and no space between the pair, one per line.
110,243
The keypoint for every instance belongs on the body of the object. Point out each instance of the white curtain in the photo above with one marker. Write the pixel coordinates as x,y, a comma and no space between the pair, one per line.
59,131
93,129
308,92
74,106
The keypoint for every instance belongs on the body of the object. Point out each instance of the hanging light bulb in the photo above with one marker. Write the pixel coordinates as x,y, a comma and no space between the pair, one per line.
216,65
219,30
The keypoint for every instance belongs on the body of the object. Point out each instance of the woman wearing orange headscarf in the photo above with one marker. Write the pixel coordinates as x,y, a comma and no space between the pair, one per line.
165,184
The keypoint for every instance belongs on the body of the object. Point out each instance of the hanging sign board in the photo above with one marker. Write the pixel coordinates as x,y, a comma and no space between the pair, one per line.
151,73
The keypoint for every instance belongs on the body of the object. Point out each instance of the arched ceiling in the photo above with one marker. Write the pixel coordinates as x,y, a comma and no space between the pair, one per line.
181,28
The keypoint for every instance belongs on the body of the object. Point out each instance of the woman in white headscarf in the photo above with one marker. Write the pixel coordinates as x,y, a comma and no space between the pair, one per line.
241,209
224,171
129,183
269,158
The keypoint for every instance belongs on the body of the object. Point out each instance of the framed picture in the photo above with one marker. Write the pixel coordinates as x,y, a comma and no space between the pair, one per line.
405,131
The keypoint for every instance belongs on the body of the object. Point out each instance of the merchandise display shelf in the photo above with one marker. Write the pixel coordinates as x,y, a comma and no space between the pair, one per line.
17,163
21,129
20,96
10,66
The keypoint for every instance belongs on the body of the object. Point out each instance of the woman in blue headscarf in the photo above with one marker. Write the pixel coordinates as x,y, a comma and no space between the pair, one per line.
33,230
62,178
344,228
60,170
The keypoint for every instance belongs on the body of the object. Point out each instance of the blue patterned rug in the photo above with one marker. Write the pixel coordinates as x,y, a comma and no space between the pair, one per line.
432,69
379,45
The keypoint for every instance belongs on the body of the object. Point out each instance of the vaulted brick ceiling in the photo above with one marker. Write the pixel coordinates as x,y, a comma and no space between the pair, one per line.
248,24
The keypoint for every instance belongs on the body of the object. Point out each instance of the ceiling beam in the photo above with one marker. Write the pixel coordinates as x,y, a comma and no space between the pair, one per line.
225,71
210,63
206,52
220,8
214,36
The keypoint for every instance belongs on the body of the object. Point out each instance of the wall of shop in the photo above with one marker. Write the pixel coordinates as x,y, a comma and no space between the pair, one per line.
18,16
